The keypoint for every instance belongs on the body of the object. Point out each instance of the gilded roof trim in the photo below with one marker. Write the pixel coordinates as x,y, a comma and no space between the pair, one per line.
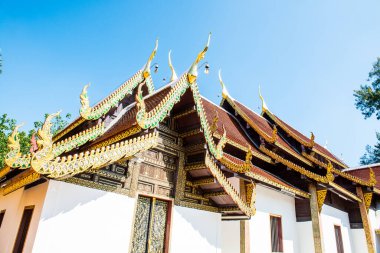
371,182
275,184
323,179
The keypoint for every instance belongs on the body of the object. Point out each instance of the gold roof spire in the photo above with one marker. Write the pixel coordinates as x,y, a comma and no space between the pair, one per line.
264,106
225,93
146,71
174,74
193,71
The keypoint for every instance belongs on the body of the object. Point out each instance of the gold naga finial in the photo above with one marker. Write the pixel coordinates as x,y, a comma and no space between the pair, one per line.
44,143
85,108
146,70
264,106
193,71
329,175
372,177
13,146
44,133
225,93
214,125
248,156
312,138
174,74
139,98
13,140
222,142
274,133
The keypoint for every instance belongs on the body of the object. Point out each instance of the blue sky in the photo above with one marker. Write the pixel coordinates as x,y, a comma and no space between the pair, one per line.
308,56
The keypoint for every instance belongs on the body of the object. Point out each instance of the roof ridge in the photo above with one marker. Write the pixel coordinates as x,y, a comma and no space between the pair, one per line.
368,166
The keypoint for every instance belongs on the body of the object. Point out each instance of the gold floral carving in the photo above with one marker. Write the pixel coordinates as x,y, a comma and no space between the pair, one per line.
321,195
368,200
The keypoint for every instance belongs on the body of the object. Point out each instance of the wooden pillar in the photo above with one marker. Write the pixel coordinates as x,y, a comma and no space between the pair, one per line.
181,179
317,234
244,237
134,169
365,220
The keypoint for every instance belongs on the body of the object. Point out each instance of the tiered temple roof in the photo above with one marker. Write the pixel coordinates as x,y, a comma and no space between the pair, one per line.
227,148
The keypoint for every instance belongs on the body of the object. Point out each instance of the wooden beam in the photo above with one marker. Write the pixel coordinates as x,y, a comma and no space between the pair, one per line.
24,178
195,196
215,194
204,181
183,113
197,166
190,133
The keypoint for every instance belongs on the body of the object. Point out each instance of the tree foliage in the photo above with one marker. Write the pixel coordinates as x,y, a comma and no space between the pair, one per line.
8,124
367,100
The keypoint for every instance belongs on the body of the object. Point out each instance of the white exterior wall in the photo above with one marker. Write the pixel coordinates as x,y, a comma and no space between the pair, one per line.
374,219
230,236
272,202
195,231
80,219
14,204
305,235
329,217
359,243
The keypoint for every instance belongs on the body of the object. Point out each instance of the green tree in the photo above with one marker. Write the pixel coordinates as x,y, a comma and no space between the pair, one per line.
367,100
7,125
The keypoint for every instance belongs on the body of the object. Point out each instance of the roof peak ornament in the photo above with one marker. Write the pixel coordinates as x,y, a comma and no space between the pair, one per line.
174,74
146,70
193,71
225,93
44,143
264,107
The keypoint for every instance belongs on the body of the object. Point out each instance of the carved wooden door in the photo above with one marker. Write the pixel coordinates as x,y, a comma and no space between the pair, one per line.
149,232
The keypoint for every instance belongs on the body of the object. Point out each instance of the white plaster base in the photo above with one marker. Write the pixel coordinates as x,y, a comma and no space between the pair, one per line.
80,219
270,202
195,231
305,235
230,236
359,243
329,217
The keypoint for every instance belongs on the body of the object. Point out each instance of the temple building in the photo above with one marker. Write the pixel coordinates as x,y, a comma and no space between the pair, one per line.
168,170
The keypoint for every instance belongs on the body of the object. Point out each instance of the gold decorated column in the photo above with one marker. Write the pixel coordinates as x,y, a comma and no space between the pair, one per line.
317,234
365,220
